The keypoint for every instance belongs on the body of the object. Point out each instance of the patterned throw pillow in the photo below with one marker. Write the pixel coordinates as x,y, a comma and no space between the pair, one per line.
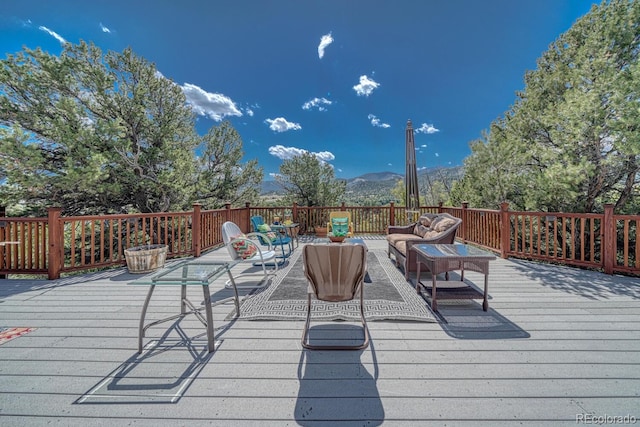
244,247
271,235
340,226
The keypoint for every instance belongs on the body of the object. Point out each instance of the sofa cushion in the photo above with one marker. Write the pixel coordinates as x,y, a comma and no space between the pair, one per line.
394,238
431,234
401,245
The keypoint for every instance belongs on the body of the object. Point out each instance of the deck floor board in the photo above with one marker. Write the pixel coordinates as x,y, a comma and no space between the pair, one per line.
556,343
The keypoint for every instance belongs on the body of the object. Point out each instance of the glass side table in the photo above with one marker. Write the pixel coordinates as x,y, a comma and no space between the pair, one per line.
184,274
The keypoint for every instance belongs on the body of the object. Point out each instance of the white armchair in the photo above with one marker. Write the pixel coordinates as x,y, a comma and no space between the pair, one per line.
246,248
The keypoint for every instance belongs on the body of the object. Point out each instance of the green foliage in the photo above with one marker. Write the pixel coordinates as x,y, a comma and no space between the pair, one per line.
97,133
222,179
571,142
308,181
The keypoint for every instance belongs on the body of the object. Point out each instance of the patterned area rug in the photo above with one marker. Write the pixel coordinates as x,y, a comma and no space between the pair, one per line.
7,334
387,296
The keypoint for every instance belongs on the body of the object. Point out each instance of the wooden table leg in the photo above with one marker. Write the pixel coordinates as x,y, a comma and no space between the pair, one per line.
418,277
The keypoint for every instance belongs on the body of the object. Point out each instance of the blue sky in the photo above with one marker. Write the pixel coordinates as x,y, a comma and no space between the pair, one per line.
339,78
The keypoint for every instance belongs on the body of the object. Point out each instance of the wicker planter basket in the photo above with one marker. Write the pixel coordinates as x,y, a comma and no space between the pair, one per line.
145,259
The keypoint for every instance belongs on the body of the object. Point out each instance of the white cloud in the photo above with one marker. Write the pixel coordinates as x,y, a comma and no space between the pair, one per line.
250,109
376,122
213,105
325,156
366,86
104,29
281,124
428,129
285,153
53,34
316,103
325,41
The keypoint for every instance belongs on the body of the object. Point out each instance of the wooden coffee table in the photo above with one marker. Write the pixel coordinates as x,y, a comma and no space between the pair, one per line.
440,258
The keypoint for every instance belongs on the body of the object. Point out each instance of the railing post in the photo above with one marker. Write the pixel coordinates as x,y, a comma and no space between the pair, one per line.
392,214
505,230
3,213
56,242
196,233
247,216
440,204
294,212
465,206
609,236
343,207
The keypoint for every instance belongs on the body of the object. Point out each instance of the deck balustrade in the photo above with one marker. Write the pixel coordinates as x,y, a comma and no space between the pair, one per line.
57,244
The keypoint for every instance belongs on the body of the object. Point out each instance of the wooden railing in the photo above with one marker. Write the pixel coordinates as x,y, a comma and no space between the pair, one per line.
57,244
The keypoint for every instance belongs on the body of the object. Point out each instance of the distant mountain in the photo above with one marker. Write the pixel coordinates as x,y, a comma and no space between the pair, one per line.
270,187
376,177
376,187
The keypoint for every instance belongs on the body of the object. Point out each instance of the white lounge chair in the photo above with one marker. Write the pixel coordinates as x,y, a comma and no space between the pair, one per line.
246,248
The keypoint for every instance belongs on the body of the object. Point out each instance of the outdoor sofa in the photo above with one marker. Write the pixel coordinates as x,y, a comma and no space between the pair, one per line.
430,228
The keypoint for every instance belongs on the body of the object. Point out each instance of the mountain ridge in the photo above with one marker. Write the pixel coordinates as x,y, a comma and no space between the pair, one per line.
380,181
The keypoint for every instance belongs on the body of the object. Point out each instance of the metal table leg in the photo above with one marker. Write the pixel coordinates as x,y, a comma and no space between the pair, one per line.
207,308
142,316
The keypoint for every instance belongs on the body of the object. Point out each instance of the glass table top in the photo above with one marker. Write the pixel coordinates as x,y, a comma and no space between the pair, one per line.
187,273
444,251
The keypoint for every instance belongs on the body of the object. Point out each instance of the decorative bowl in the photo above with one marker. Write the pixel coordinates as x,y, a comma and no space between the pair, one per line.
337,239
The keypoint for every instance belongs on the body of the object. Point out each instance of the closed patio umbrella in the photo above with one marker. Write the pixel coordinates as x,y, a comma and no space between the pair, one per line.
412,194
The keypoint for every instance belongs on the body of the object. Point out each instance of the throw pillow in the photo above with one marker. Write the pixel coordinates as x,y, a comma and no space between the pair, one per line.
272,236
424,220
444,225
244,247
263,228
266,229
340,226
419,230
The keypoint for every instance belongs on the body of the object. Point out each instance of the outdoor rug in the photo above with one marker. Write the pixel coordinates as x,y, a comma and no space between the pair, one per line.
387,296
7,334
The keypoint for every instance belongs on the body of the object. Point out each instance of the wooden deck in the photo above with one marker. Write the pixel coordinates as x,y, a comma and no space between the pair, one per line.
558,345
